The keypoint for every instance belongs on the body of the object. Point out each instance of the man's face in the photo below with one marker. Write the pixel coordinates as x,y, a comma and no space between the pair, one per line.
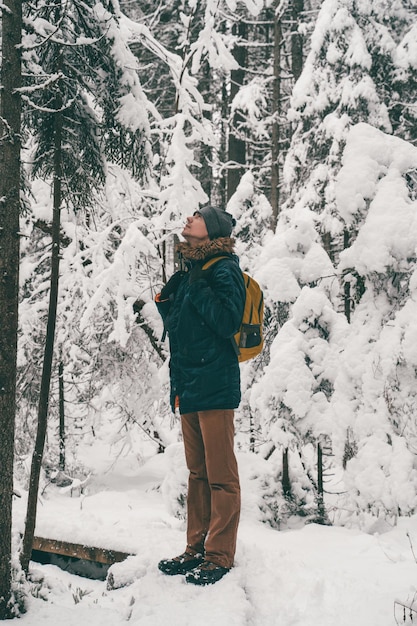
195,231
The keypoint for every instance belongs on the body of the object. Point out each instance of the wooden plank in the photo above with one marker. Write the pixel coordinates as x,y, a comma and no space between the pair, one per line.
78,551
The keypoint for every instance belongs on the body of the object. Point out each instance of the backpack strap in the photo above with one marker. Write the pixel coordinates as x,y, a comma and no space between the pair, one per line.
212,261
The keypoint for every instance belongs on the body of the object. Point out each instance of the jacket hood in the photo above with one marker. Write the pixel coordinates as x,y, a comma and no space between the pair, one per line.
214,247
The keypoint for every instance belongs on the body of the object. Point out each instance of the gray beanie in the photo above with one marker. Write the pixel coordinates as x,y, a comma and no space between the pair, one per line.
218,222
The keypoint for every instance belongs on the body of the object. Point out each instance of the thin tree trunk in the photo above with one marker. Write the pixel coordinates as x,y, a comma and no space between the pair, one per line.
347,296
296,39
276,97
252,433
320,470
205,154
223,144
61,416
286,483
321,510
10,144
48,353
237,147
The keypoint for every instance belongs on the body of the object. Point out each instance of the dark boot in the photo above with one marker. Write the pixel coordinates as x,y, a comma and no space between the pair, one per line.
206,573
180,564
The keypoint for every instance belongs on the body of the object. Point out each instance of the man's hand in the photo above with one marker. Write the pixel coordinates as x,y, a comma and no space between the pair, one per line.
172,285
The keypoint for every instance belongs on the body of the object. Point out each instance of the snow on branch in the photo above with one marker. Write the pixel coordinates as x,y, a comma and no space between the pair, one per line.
371,188
179,187
116,281
132,112
42,28
32,104
139,33
6,9
54,78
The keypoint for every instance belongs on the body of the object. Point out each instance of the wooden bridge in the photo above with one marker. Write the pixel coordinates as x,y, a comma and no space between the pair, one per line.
76,558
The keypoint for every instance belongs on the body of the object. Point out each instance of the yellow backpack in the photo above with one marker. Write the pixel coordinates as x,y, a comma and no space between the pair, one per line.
248,341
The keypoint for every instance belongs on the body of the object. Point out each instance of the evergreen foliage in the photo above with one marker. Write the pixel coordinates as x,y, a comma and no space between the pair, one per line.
75,65
347,78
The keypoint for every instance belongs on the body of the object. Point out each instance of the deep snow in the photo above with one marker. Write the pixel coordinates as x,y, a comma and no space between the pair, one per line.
304,575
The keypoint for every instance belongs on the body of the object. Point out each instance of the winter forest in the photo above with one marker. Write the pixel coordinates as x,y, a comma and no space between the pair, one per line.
117,121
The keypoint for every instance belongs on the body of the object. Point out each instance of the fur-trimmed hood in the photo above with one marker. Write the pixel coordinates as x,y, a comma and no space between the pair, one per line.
214,247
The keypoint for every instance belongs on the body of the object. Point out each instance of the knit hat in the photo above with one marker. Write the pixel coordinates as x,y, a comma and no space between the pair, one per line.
218,222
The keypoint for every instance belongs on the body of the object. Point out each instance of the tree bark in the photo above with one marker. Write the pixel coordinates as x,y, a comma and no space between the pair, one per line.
49,348
296,40
61,416
276,100
10,144
223,148
286,482
237,146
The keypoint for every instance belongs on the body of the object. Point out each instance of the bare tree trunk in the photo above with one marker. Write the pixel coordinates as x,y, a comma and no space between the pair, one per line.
205,153
49,350
321,509
347,296
10,144
276,98
223,144
320,488
297,60
297,7
252,439
286,483
237,147
61,416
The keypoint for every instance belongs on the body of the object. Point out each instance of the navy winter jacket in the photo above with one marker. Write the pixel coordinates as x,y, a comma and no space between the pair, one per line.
201,319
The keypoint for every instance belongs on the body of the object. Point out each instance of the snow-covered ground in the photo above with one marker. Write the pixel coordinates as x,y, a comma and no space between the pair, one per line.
301,576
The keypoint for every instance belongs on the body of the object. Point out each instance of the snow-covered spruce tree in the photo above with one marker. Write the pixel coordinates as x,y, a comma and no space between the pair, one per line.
335,90
375,429
346,77
66,44
122,274
76,52
293,395
252,212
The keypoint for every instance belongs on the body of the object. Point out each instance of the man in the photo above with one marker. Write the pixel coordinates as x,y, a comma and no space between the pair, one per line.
202,309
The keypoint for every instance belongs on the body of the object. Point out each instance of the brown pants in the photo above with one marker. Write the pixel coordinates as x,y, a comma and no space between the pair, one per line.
213,501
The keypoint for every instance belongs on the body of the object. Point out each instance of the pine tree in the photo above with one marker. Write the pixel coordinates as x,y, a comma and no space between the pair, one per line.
375,432
252,212
75,55
299,266
341,85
